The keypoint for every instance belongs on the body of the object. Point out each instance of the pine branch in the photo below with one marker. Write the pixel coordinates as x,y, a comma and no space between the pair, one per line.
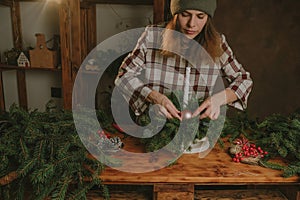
62,188
8,178
41,149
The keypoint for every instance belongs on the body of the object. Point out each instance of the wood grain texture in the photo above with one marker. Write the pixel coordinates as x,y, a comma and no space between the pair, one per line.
249,194
41,56
238,194
158,11
216,168
22,91
118,195
2,100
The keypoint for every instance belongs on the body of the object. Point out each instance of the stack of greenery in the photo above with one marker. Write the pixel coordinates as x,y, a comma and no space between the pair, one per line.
42,157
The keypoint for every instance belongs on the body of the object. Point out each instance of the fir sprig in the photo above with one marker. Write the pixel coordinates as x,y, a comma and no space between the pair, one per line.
45,152
277,134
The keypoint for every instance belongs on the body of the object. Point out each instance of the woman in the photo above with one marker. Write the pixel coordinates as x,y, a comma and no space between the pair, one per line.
193,19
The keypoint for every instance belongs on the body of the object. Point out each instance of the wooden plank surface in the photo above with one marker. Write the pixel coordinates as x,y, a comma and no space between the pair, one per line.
216,168
233,194
2,100
22,91
16,25
238,194
158,11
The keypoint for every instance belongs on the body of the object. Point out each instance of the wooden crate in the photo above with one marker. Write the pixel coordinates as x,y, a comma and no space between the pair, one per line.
41,56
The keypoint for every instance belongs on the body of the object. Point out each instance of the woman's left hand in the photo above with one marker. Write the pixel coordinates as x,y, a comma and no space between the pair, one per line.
212,105
209,108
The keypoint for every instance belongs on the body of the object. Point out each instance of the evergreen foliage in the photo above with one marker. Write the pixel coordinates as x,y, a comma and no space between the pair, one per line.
171,127
47,156
277,134
41,152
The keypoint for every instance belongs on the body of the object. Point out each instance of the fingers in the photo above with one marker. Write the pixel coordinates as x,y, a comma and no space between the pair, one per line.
169,110
201,108
210,113
207,109
172,110
165,113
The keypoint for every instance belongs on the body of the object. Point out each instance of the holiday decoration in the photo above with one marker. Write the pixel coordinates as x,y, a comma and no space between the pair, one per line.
108,143
23,60
186,89
278,135
11,56
186,114
42,152
92,65
244,151
192,126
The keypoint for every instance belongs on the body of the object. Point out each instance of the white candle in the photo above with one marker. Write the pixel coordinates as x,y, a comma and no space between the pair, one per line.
186,87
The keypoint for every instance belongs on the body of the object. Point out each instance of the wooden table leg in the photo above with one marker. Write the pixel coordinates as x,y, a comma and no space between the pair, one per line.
173,191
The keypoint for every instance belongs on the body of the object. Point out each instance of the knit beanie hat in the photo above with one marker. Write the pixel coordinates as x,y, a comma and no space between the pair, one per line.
207,6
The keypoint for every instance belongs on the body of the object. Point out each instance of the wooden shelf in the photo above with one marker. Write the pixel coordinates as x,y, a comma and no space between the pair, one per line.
5,67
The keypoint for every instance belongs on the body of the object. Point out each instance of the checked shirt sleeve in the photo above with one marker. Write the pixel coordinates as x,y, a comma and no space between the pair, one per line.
239,79
128,82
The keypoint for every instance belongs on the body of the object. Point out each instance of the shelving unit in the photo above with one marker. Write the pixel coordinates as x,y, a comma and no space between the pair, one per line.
75,18
77,38
22,92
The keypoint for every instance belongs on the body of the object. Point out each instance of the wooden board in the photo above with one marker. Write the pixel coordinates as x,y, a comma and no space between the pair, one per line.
216,168
41,56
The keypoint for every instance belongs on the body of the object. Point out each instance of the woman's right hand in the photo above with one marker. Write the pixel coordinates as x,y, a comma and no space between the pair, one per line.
165,106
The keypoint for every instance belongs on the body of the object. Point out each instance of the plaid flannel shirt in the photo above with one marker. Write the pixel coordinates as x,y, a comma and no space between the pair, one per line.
146,69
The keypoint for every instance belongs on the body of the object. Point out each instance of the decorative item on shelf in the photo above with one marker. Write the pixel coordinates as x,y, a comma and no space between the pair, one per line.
11,56
23,61
42,56
92,65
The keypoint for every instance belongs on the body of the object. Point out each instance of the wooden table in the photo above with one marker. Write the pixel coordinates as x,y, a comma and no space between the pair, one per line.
178,181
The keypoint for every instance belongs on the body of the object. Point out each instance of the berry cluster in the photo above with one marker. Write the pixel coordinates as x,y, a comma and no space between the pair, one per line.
248,150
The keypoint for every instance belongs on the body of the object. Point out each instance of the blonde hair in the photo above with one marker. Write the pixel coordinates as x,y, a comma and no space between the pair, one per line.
209,38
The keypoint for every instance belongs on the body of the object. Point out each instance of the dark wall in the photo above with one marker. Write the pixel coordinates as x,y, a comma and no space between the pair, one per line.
265,37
